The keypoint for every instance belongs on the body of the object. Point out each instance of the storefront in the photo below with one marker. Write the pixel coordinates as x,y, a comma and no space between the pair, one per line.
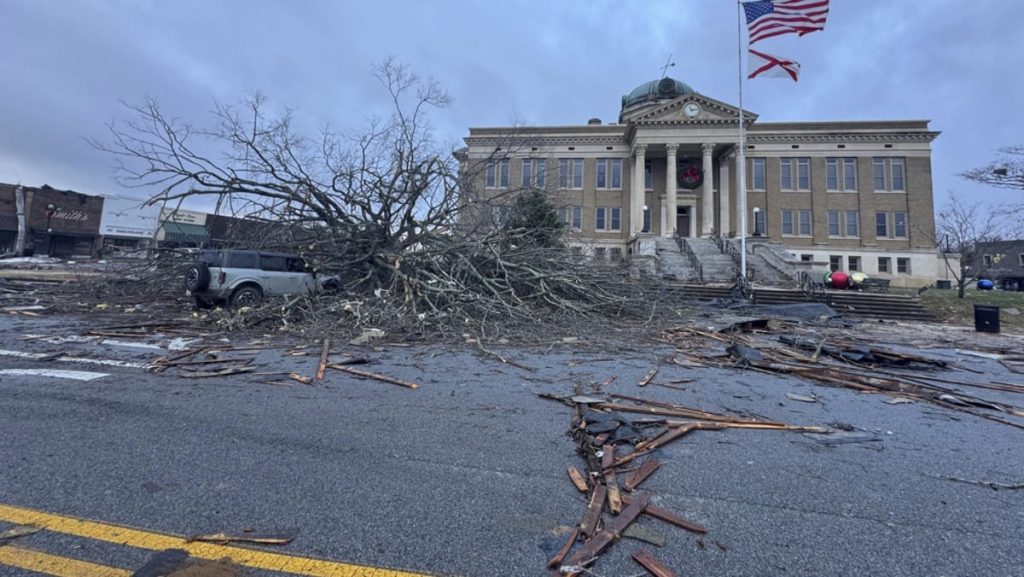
181,228
128,227
63,223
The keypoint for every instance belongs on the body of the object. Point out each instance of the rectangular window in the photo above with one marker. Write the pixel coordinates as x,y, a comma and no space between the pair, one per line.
273,263
1020,259
879,171
835,262
806,258
898,175
803,178
616,218
786,174
805,223
853,223
533,173
849,174
571,216
647,221
602,173
757,170
899,224
609,173
787,222
884,264
903,265
491,174
600,221
616,168
503,173
853,263
570,173
882,224
759,223
833,223
986,259
242,260
832,174
648,176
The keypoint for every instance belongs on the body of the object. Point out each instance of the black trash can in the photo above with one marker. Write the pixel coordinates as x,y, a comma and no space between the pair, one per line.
986,318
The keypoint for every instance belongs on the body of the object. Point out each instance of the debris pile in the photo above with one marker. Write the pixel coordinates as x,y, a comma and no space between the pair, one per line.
618,452
841,360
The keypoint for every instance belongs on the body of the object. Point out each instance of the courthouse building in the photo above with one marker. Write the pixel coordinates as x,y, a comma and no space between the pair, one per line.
853,195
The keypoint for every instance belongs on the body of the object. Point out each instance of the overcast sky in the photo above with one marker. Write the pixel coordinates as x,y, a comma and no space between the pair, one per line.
68,63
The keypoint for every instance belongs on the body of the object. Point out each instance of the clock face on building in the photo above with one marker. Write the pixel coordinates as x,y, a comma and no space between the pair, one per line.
691,110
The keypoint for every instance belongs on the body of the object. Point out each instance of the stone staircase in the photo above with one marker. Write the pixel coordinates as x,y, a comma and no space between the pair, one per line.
850,303
770,264
672,263
717,267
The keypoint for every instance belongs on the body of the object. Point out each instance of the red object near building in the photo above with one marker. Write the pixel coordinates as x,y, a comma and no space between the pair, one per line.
839,280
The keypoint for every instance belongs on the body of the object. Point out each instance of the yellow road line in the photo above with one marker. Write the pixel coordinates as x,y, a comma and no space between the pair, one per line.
54,565
160,542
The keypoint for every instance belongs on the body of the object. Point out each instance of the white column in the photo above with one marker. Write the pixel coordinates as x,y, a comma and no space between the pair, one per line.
671,195
707,201
638,191
723,194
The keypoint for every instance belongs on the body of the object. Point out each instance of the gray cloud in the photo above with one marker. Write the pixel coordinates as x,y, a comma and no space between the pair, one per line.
69,63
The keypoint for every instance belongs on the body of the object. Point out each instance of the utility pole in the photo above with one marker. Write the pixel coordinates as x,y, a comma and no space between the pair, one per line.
19,201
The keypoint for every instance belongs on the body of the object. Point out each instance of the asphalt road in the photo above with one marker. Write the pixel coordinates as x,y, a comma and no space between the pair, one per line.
465,476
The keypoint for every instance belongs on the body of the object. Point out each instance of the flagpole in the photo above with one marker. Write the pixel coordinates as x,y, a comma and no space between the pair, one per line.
741,157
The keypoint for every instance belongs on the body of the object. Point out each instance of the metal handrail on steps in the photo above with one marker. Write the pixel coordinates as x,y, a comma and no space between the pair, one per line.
685,248
813,288
753,248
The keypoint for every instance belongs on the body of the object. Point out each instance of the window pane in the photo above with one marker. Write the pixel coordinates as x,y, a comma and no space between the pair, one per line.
491,174
786,174
563,215
759,227
835,262
616,218
527,173
804,174
881,225
833,223
832,174
879,165
577,217
897,174
853,263
273,263
647,221
758,164
849,174
616,173
577,173
563,173
852,223
903,265
503,178
648,176
787,222
805,222
541,166
599,221
900,225
602,177
242,260
883,264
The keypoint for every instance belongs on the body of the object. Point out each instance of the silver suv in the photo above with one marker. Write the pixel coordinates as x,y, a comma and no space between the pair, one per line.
242,278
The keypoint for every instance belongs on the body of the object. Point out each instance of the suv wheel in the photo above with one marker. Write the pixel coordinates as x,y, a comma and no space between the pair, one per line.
247,296
197,277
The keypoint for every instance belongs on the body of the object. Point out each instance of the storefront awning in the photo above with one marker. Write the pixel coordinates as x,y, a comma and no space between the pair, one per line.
183,233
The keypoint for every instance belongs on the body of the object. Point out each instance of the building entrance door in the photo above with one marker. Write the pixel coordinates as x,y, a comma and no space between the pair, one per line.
683,221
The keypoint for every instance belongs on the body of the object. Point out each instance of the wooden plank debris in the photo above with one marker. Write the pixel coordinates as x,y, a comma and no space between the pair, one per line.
557,559
577,479
646,469
375,376
592,517
652,565
607,463
648,377
325,352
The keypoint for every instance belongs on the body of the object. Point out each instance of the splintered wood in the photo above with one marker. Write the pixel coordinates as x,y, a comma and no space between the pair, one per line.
597,425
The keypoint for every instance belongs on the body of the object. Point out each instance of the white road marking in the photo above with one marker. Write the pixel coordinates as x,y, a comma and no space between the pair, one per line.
57,374
84,360
116,343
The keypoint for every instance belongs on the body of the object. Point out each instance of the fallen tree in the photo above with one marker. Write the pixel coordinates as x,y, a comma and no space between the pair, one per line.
384,208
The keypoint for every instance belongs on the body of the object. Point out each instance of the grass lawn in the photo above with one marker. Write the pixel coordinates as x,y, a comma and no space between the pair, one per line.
945,305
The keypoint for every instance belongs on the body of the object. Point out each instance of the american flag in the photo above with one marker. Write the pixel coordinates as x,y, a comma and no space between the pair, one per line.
767,18
775,66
